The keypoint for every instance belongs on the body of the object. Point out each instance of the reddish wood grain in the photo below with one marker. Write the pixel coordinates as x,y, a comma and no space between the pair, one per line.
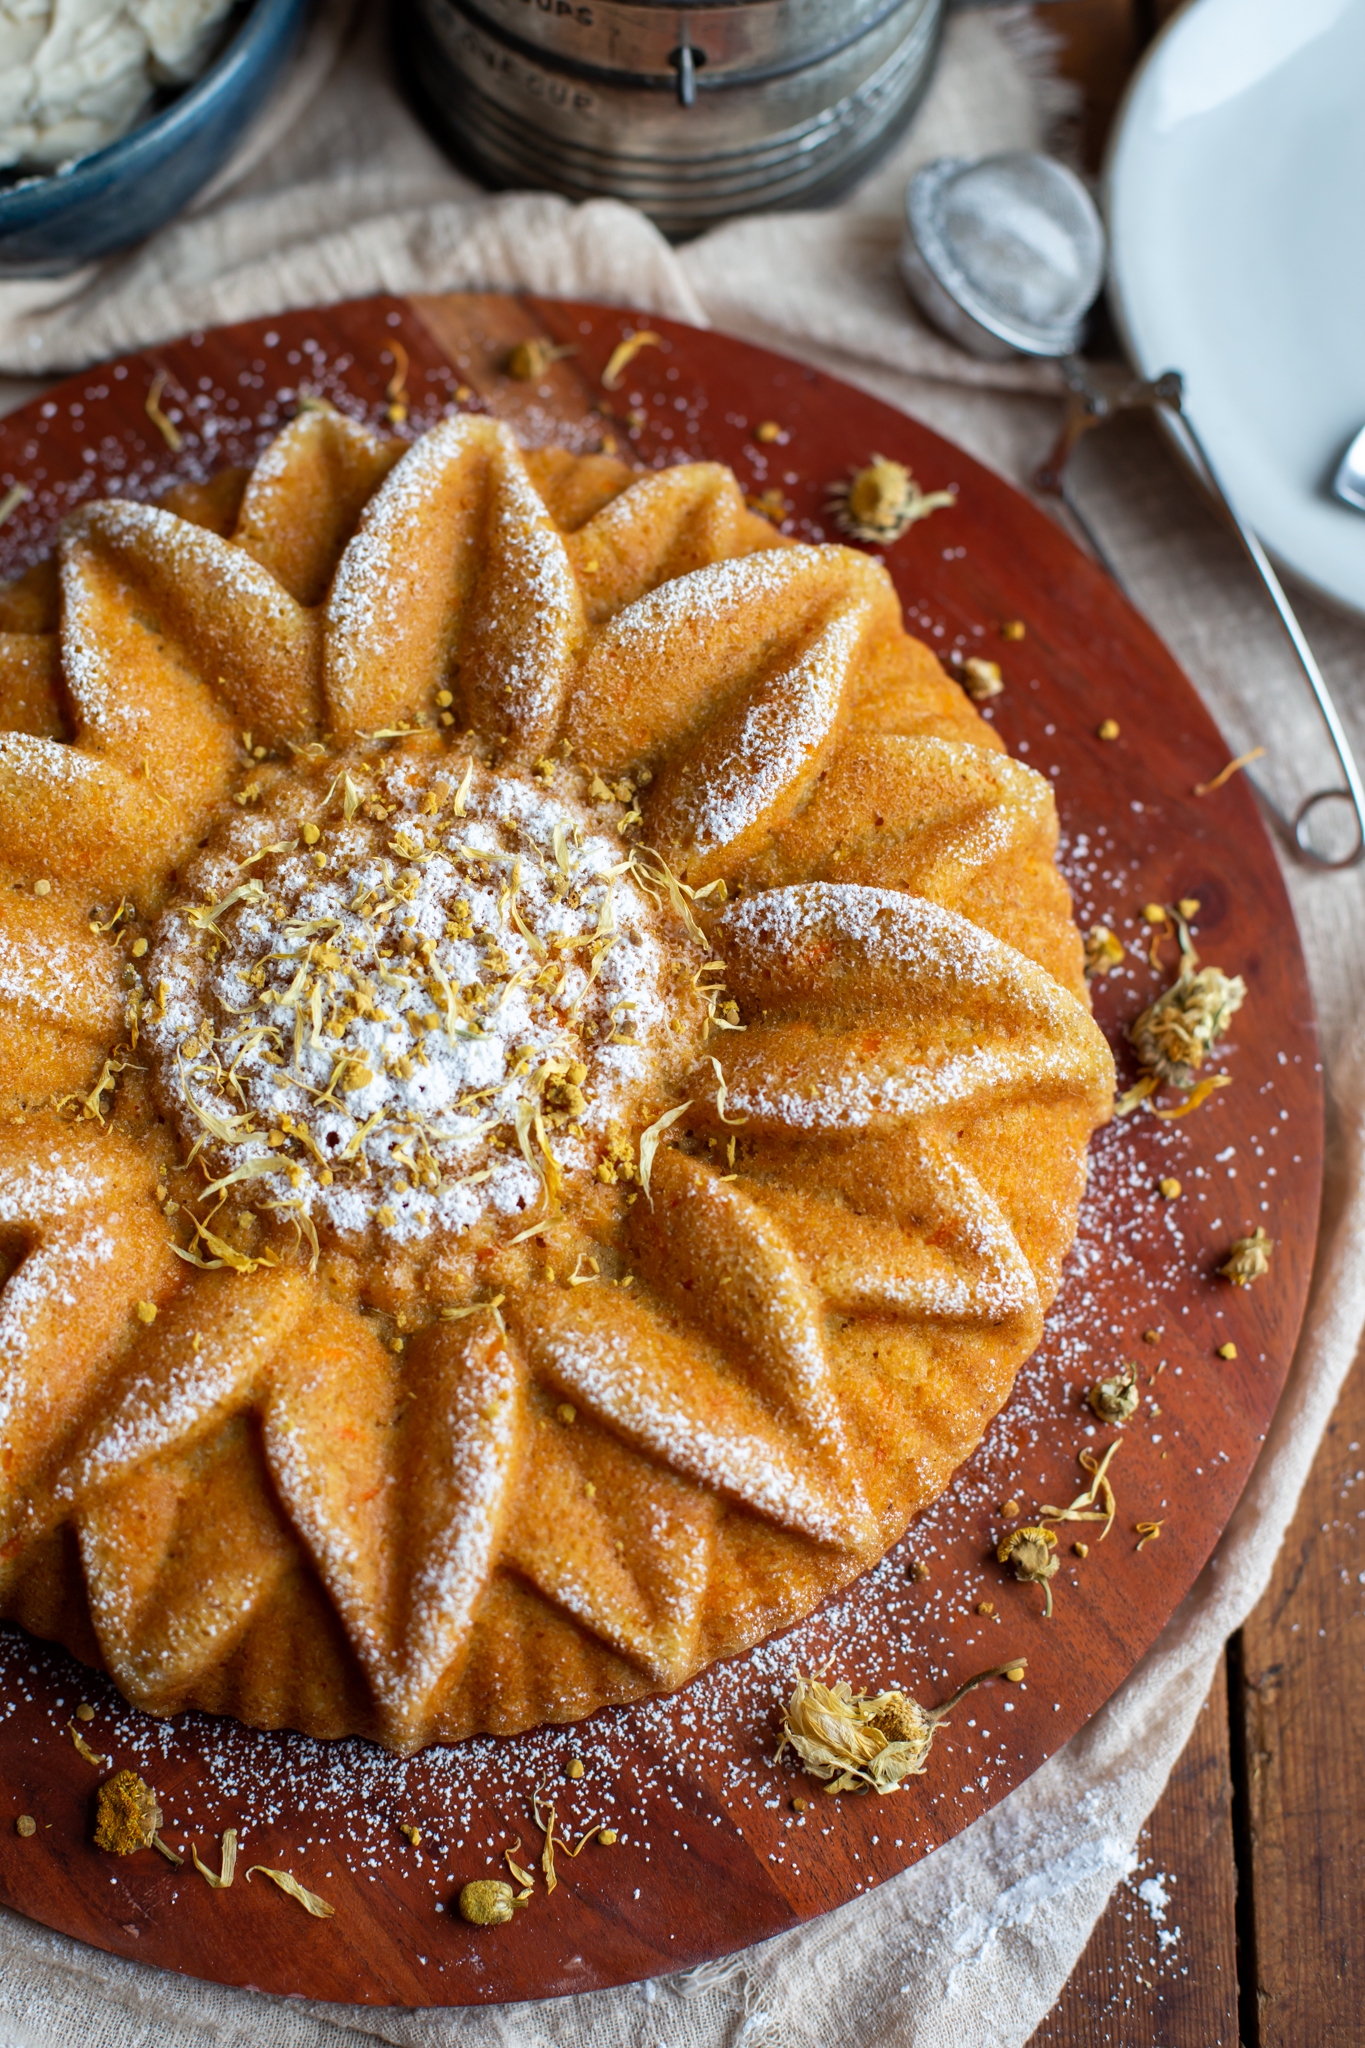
721,1872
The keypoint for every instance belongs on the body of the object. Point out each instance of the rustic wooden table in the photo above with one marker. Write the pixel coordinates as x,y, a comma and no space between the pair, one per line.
1245,1920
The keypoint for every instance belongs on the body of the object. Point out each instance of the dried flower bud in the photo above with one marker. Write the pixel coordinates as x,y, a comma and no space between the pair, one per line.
127,1815
882,501
861,1741
981,680
25,1825
1030,1552
1107,729
607,1837
1115,1399
1103,952
1249,1258
487,1902
1175,1034
1168,1188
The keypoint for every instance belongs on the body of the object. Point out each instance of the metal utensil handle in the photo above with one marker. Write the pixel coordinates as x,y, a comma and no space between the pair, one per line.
1089,407
1169,390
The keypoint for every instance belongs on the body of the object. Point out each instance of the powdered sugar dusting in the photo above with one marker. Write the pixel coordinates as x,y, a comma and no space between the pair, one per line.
778,734
425,1016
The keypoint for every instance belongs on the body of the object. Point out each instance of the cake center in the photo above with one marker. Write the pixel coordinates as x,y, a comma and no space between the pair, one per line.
408,995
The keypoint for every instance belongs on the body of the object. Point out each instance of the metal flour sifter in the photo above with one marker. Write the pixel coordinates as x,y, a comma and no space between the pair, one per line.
691,113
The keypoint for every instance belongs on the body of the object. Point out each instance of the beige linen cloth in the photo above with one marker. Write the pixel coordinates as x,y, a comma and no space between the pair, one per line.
338,193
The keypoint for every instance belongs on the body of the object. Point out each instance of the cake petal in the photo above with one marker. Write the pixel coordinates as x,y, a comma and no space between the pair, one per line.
671,1396
171,637
76,816
949,1253
178,1561
621,1546
30,700
329,1422
921,1012
720,1258
206,1358
60,1001
455,558
664,668
940,819
525,626
713,807
466,1431
305,496
84,1242
662,526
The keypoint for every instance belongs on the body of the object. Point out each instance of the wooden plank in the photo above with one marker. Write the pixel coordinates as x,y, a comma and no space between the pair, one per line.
1303,1715
1168,1974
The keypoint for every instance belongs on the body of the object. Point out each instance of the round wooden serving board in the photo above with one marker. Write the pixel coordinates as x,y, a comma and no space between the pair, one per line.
712,1852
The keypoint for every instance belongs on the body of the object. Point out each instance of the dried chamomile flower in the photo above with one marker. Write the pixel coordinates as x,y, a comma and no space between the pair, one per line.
528,361
859,1740
1175,1034
1103,951
487,1902
1030,1552
25,1825
1115,1399
1249,1258
127,1816
882,501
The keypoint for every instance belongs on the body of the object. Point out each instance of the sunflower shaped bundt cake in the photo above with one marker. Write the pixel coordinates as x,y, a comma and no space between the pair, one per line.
544,1086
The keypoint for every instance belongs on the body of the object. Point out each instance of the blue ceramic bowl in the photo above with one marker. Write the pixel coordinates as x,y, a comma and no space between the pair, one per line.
120,193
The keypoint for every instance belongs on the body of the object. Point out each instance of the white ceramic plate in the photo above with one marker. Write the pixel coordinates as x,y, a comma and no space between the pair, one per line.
1235,199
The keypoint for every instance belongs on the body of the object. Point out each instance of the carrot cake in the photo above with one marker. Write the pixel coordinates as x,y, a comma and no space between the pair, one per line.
545,1083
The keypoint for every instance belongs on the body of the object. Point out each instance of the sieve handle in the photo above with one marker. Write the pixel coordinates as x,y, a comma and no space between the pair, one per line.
1088,407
